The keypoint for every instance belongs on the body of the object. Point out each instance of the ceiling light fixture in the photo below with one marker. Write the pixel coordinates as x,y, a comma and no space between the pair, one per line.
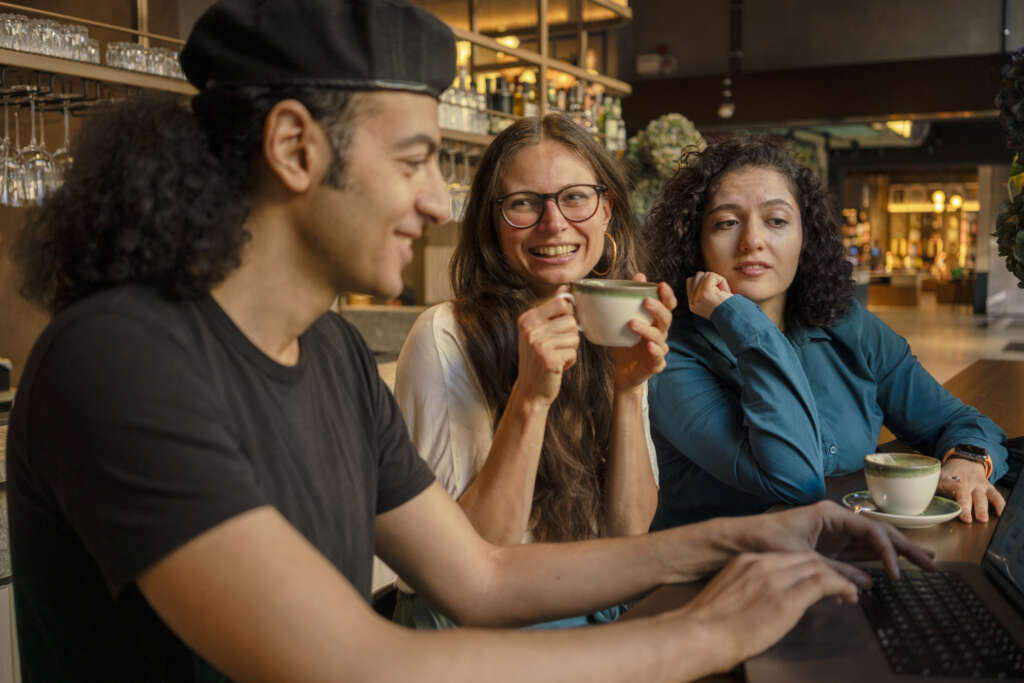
728,107
902,127
508,41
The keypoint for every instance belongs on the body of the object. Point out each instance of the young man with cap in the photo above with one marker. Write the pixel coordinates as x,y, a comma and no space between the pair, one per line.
202,460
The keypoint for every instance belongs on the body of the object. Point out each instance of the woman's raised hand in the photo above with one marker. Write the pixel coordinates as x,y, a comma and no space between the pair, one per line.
635,364
704,291
548,340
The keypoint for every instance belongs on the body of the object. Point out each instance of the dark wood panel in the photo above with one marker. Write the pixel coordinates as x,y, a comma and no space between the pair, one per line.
952,84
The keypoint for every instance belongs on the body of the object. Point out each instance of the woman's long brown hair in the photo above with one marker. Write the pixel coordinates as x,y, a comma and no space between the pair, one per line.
490,296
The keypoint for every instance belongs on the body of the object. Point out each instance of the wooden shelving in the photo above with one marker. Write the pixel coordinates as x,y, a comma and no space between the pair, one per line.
622,10
471,138
544,63
94,72
614,85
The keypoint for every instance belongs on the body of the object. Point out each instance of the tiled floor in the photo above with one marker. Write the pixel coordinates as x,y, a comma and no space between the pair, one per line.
946,339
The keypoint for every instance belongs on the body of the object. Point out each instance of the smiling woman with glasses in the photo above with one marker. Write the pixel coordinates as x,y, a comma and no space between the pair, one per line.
539,434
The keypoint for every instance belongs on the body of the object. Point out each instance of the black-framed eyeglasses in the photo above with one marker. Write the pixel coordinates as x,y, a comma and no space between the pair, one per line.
576,203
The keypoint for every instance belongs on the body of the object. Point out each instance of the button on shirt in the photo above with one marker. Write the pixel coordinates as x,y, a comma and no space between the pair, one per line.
744,416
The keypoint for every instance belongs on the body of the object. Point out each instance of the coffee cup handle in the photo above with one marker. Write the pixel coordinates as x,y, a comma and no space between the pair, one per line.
571,299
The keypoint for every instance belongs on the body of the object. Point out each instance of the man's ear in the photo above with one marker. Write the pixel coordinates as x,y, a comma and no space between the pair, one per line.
295,148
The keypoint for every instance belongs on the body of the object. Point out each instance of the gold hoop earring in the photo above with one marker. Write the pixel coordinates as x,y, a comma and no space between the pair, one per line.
615,257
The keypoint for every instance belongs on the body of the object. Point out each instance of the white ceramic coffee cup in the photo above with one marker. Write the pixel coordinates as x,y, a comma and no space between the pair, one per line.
901,483
605,307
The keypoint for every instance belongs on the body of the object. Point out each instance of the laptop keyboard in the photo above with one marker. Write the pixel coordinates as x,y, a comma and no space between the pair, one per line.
933,624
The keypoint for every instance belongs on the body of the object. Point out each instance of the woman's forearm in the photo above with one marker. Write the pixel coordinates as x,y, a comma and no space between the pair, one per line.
765,437
499,500
631,494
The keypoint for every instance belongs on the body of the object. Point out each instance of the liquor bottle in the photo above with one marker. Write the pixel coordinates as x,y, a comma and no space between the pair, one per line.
562,100
596,110
482,122
446,110
576,105
530,104
463,118
587,118
494,121
505,102
611,127
552,96
621,147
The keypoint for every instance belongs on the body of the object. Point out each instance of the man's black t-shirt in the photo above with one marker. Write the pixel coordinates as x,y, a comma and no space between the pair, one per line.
141,423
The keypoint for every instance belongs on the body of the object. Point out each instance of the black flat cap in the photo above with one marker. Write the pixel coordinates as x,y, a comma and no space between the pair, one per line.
348,44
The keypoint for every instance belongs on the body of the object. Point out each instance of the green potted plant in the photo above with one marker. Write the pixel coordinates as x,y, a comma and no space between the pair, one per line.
1010,223
654,154
1010,236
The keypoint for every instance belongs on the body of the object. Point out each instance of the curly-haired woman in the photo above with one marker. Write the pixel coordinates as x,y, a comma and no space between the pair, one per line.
776,377
539,434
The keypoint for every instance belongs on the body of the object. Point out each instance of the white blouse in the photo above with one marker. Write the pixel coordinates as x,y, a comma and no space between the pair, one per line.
444,407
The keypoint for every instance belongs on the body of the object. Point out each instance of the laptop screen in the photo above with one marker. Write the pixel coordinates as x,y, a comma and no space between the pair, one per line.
1004,558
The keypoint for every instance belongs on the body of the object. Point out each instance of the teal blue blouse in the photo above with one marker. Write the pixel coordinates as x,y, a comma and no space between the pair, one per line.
745,416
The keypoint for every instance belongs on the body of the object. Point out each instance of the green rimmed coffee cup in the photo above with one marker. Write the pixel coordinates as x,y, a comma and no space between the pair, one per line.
605,307
901,483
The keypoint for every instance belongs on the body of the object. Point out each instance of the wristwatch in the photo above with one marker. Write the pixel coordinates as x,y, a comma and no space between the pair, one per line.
973,453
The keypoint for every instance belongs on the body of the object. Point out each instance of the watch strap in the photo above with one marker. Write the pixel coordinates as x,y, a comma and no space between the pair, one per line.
986,461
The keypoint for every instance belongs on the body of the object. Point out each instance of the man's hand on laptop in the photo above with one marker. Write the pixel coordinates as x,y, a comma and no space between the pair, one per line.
758,597
839,535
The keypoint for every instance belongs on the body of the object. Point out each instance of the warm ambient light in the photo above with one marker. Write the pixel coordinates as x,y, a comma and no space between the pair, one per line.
727,108
463,52
509,41
562,80
938,197
902,127
956,201
969,206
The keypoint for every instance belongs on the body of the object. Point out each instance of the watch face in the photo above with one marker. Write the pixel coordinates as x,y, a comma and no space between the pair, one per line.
971,451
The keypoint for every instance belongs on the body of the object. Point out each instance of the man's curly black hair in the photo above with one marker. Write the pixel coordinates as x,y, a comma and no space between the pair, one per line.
158,194
822,289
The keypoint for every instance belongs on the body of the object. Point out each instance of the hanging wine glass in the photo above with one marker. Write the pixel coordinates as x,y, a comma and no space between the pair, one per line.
62,159
49,174
4,151
12,189
35,163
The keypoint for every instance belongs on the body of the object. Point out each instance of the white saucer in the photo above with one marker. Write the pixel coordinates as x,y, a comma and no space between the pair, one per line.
938,511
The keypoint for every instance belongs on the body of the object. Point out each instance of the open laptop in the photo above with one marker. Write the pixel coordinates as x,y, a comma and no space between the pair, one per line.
866,642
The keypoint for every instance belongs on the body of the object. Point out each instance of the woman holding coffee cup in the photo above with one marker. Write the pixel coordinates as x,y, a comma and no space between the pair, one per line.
539,434
776,376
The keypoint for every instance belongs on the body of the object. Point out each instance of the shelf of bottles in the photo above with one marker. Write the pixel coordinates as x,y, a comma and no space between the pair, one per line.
473,110
509,67
482,101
